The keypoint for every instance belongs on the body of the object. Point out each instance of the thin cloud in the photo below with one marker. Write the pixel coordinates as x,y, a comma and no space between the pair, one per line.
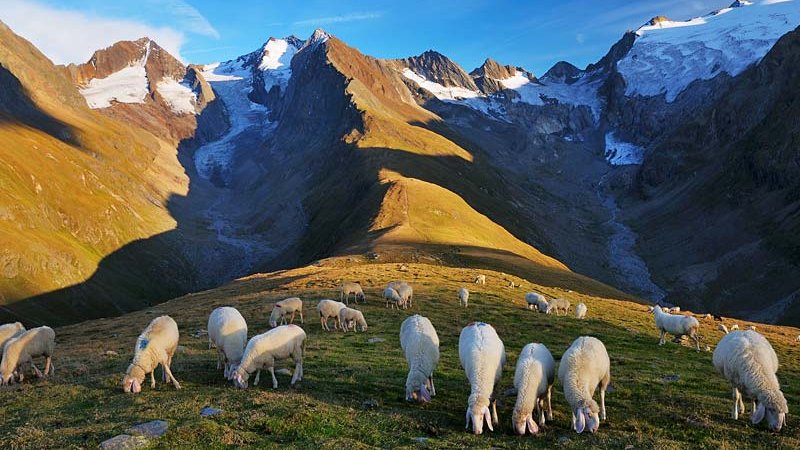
188,17
339,19
68,36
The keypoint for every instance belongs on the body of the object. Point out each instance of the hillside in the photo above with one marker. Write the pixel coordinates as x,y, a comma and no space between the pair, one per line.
663,397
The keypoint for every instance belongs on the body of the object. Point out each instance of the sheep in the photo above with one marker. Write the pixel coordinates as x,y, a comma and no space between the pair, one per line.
227,331
585,366
463,297
675,310
156,345
329,308
392,298
407,294
262,350
8,331
420,344
707,316
533,379
735,326
677,325
723,328
746,359
580,311
535,300
352,288
354,316
751,328
558,304
480,279
283,308
482,356
20,350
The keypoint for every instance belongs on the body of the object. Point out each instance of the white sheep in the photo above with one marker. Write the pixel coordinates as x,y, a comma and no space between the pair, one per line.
420,344
285,307
580,311
558,304
536,300
585,366
353,289
677,325
463,297
707,316
482,356
392,298
533,379
227,331
480,279
352,316
156,345
675,310
723,328
19,352
752,327
285,341
8,331
734,327
748,362
406,293
329,308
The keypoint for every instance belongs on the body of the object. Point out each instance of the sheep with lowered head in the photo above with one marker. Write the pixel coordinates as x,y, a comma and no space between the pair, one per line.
677,325
584,367
406,293
283,308
19,352
480,279
227,331
156,345
329,308
533,379
580,311
463,297
8,331
347,289
536,300
746,359
420,344
348,316
285,341
392,298
558,304
482,356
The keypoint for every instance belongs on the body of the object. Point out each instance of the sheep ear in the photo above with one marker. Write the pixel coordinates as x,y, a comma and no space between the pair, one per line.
758,414
424,393
532,427
469,415
580,421
488,417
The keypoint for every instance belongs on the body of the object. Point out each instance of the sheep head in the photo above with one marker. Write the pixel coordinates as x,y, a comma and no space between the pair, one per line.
477,413
523,424
774,408
587,416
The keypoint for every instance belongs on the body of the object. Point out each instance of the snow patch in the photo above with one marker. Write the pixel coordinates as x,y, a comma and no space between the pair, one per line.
620,153
128,85
441,92
276,63
668,56
579,93
180,98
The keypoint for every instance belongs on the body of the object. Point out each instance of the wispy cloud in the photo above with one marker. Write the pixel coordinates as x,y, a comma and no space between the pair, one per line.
188,18
68,36
580,38
339,19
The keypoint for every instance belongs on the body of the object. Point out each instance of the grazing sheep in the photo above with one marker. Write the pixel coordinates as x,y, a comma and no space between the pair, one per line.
536,300
677,325
480,279
558,304
352,316
585,366
707,316
329,308
227,331
283,308
19,352
748,362
8,331
752,328
533,379
797,338
420,344
407,294
463,297
723,328
285,341
392,298
156,345
352,288
735,326
675,310
580,311
482,356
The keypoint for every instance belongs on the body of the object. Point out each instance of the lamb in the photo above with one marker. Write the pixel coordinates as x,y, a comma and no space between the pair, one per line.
328,308
746,359
723,328
283,308
463,297
156,345
558,304
19,352
420,344
285,341
348,288
392,298
677,325
480,279
535,300
227,331
585,366
482,356
354,316
533,379
580,311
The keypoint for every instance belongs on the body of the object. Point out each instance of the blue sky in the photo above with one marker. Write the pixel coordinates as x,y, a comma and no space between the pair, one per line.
532,34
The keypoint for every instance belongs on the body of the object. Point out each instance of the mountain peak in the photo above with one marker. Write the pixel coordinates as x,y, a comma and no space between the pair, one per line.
562,72
319,36
440,69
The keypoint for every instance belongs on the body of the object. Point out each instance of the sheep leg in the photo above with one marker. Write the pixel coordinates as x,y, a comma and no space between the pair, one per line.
549,405
163,369
48,365
603,403
258,377
298,367
494,412
696,341
153,379
274,380
36,371
169,374
661,341
573,421
736,399
301,317
433,388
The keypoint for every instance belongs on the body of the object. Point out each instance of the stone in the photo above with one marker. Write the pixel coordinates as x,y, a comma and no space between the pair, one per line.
124,442
180,349
671,377
154,428
420,440
563,440
111,354
209,411
370,404
375,340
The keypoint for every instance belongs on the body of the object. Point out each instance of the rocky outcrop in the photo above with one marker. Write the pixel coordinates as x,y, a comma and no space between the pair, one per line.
487,77
562,72
438,68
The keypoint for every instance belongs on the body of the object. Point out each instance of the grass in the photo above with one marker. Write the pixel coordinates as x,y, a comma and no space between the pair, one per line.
84,403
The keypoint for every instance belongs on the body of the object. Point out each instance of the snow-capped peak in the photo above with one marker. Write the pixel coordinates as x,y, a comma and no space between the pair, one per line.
277,54
318,37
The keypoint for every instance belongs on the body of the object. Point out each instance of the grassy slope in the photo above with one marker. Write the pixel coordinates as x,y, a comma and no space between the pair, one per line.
85,403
